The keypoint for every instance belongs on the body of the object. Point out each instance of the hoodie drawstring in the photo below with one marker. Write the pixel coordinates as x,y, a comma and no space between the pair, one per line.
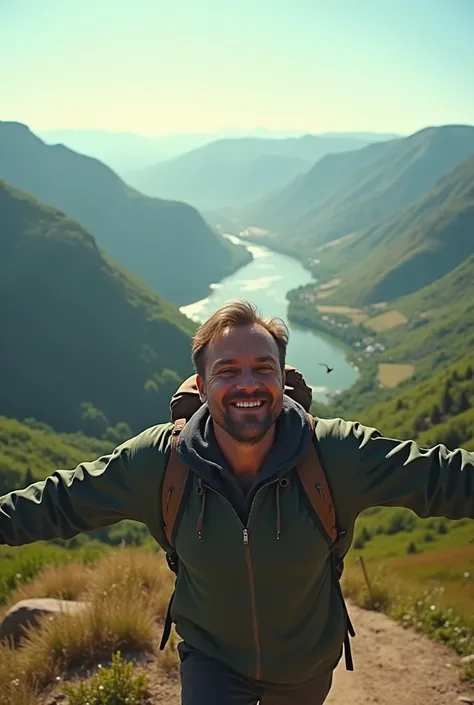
278,517
282,482
201,490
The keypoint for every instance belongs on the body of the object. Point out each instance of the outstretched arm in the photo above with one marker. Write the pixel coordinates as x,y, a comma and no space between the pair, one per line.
117,486
432,482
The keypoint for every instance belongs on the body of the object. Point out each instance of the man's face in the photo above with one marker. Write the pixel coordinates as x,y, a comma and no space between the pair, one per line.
243,382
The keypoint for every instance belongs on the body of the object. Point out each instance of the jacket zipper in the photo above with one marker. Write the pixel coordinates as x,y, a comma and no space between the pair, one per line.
253,603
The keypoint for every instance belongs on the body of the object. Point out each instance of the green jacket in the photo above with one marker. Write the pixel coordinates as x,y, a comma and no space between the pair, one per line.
267,606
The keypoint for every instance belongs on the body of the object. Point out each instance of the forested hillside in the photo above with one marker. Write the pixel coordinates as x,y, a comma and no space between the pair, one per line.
86,345
167,244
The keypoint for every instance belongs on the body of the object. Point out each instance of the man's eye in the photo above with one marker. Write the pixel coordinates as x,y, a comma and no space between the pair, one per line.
265,368
227,371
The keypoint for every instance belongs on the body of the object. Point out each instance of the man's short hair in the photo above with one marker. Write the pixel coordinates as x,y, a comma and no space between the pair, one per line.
232,315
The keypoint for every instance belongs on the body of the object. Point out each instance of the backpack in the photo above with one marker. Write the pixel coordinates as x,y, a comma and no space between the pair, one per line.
184,403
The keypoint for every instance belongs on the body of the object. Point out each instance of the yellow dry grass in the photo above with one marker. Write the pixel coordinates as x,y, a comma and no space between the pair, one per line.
127,592
330,284
16,691
65,581
346,310
358,318
387,320
355,314
391,374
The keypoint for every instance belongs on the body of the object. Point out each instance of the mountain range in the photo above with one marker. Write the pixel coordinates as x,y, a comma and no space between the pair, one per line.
414,247
85,344
345,194
168,244
232,172
128,151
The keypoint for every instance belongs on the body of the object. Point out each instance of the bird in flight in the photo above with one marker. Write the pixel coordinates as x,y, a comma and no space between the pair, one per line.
328,369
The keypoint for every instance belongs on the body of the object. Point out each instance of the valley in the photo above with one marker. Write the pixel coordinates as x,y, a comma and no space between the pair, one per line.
368,253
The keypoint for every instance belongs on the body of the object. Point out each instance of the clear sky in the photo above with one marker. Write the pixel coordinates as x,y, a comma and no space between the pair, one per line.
164,66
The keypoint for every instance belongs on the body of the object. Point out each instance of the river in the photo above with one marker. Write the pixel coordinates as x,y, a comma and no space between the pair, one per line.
265,281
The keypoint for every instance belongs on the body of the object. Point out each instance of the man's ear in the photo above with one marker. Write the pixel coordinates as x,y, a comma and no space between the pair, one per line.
201,389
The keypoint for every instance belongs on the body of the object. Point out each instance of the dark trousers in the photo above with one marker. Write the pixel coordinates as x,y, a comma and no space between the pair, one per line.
206,681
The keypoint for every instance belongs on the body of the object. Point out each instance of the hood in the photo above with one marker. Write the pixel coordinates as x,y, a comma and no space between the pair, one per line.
198,447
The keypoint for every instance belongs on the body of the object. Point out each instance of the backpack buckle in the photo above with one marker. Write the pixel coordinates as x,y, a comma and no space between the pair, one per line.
172,560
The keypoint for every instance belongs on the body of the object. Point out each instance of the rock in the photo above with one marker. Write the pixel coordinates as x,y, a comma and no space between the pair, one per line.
27,613
466,699
468,659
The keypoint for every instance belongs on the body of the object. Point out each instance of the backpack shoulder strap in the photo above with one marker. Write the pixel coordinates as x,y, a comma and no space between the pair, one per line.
315,484
174,483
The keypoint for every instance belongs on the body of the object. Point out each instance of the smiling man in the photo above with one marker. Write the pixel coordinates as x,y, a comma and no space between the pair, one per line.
240,375
257,603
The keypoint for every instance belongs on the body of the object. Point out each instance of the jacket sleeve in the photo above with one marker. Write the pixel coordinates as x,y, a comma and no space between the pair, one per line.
432,482
93,495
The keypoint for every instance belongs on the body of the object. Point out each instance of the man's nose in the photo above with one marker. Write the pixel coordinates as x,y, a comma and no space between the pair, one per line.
247,381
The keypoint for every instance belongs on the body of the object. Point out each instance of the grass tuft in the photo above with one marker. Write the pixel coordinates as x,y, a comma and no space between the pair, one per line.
380,596
68,581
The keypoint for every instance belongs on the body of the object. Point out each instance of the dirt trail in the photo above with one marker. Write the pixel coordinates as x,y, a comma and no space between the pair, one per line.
393,666
396,666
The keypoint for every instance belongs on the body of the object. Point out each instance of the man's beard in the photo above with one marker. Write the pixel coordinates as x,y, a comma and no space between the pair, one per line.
250,430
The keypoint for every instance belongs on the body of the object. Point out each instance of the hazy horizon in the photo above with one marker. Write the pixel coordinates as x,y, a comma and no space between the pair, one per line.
159,69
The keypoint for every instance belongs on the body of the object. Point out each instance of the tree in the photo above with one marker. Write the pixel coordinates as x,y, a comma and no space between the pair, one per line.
446,399
451,439
419,423
28,478
94,421
463,401
435,416
117,434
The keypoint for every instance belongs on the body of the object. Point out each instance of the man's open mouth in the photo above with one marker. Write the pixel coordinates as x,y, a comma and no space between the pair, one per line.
248,404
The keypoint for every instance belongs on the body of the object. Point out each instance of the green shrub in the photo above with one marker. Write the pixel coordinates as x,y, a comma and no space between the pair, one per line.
117,685
400,521
442,528
359,543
